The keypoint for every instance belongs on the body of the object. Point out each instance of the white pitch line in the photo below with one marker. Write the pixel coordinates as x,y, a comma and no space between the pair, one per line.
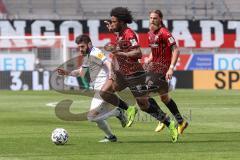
53,104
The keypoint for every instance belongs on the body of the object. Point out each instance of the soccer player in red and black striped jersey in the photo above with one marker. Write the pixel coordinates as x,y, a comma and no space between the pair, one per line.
128,72
163,58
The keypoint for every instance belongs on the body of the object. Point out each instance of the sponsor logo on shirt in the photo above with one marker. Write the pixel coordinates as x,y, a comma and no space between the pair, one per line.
154,45
100,55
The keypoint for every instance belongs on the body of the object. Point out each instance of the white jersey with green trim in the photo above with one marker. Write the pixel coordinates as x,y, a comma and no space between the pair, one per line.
94,61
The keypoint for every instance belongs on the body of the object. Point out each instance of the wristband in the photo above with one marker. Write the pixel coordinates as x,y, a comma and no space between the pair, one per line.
171,66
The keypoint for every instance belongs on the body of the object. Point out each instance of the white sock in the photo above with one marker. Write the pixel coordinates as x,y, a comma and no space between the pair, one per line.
115,112
103,125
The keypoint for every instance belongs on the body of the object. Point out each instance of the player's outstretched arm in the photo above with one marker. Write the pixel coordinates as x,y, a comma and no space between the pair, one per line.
62,72
75,73
133,53
175,55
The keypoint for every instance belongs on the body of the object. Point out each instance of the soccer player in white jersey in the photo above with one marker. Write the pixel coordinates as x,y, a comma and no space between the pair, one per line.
99,67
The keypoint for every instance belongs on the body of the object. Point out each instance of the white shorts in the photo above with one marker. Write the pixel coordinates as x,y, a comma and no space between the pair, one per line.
98,104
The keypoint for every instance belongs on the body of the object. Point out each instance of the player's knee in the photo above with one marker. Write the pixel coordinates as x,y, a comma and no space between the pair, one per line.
91,117
144,109
165,98
143,105
103,94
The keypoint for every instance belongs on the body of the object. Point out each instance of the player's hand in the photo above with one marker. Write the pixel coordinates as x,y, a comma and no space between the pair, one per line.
110,47
108,25
148,60
62,72
169,74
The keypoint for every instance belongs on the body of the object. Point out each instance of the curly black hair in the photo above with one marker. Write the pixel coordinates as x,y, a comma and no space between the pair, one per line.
122,14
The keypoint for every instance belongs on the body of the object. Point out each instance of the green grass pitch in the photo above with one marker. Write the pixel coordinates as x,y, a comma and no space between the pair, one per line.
26,124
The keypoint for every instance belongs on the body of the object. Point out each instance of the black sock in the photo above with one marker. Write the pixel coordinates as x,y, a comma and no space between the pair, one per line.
155,111
122,104
172,106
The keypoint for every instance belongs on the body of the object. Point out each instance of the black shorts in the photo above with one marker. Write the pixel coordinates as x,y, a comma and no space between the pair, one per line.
135,82
156,82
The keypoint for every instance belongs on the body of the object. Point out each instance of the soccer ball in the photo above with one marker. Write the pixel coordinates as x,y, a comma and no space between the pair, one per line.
59,136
